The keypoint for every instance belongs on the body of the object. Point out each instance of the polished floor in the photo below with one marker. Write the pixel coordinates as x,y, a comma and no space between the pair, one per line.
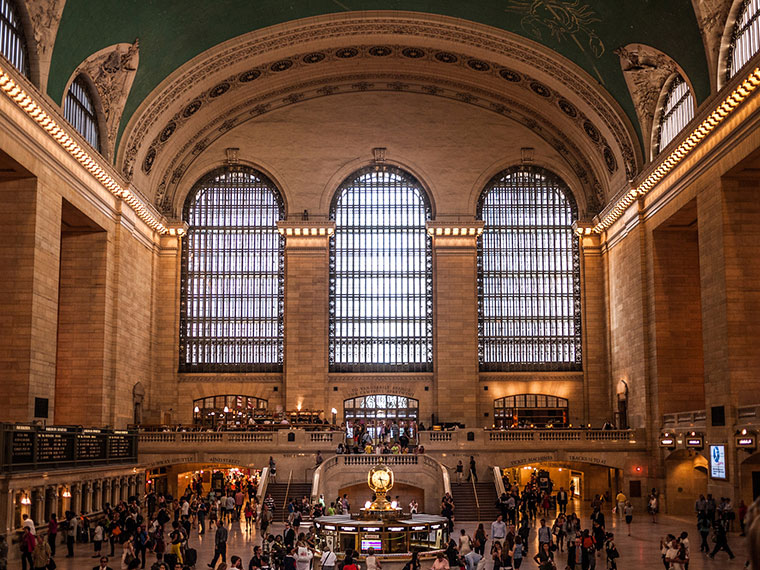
640,551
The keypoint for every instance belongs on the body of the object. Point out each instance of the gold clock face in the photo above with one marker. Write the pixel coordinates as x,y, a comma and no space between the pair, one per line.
380,478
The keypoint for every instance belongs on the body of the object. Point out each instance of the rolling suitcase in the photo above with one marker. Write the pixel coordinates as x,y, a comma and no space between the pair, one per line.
191,557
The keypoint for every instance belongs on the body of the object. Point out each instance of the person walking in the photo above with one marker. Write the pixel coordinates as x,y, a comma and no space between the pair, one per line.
220,544
498,529
473,470
459,472
479,543
41,555
3,553
721,540
52,533
628,513
27,543
562,499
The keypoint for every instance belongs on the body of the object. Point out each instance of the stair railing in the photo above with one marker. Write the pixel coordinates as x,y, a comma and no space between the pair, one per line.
475,493
287,493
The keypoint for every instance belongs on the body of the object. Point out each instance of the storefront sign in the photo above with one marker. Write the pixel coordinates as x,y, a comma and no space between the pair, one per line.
694,441
667,442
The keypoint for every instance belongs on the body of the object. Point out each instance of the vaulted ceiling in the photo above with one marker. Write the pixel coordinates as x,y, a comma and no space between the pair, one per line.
170,34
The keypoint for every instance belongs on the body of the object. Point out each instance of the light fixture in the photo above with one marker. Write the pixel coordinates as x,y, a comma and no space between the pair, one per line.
226,410
196,409
368,504
25,500
44,120
298,406
394,504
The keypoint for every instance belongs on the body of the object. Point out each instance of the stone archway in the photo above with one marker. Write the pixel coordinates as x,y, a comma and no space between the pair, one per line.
685,480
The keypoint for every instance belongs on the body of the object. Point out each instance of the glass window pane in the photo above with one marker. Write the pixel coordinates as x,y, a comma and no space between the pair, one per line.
232,287
745,40
528,274
12,40
79,110
677,111
381,274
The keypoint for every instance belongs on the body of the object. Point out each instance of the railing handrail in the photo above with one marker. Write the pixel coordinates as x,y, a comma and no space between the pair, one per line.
287,491
475,493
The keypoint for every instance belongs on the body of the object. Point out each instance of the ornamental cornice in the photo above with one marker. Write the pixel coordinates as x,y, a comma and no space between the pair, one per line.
310,31
479,96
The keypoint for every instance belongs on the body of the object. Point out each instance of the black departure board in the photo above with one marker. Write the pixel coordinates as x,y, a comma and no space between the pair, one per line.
55,447
91,447
120,446
28,447
22,447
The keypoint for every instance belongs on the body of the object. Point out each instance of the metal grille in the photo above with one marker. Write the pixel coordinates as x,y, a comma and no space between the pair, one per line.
12,41
528,274
381,309
745,38
677,111
80,111
232,282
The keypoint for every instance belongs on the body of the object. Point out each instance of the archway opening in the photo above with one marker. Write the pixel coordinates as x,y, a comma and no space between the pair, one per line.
686,479
380,419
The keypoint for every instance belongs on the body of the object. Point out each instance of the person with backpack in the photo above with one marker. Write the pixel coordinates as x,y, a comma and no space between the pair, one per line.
611,551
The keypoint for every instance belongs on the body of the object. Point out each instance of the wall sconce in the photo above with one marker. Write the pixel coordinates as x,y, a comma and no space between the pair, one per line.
25,500
66,494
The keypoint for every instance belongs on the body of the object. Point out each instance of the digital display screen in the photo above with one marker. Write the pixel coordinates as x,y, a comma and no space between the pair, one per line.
375,543
718,462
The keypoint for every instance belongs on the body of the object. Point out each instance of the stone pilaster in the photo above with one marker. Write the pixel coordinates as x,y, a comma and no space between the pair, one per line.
455,298
306,312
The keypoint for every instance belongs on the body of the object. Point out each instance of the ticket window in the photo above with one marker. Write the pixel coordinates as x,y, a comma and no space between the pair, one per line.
348,541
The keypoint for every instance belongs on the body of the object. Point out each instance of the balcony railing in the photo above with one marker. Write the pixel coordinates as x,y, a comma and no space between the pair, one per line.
153,441
694,418
528,438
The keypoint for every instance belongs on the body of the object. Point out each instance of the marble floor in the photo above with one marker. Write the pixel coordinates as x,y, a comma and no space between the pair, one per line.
640,551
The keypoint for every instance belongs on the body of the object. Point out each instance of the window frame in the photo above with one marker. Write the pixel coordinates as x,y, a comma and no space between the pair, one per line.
502,346
201,185
334,342
17,32
86,121
686,98
740,30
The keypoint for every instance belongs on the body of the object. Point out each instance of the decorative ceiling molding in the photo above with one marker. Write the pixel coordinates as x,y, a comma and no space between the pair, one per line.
646,70
44,16
712,16
183,84
112,71
166,194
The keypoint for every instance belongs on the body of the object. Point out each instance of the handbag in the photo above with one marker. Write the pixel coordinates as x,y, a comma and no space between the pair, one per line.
51,565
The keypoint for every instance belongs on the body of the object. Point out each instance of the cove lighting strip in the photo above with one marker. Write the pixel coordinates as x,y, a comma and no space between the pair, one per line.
31,108
715,118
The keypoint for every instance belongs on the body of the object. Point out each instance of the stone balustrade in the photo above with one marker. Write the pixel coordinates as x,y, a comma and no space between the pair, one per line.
564,439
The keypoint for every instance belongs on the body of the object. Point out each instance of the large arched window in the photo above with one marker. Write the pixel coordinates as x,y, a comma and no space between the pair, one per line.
745,37
232,281
381,310
79,110
677,111
12,40
528,274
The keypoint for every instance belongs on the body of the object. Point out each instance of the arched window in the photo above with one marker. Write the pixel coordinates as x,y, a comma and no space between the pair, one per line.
528,274
745,38
79,110
229,410
398,413
677,111
381,310
12,40
525,410
232,281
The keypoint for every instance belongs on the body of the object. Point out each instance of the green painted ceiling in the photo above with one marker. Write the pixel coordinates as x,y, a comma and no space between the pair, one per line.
171,32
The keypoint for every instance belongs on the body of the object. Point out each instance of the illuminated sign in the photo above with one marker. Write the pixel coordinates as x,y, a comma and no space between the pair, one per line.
692,441
718,462
376,544
667,441
745,441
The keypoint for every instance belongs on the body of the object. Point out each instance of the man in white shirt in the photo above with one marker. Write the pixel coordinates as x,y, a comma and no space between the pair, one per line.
498,529
28,522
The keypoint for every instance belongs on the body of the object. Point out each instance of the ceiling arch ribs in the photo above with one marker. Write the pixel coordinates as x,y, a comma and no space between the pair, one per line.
268,59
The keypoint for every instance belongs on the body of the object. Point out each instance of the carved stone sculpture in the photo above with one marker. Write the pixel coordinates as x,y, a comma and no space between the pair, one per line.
112,71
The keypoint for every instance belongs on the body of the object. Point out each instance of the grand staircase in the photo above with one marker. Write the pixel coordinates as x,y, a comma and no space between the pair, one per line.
465,507
278,492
